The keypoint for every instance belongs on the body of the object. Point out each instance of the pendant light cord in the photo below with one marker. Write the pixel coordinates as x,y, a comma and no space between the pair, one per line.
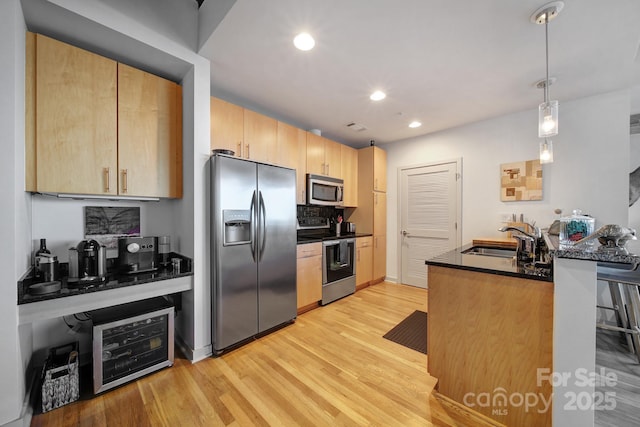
546,45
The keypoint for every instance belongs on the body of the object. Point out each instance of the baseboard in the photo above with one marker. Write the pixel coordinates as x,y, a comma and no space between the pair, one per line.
194,355
30,398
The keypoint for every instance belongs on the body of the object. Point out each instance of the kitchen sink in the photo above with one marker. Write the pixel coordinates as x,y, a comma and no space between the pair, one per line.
494,252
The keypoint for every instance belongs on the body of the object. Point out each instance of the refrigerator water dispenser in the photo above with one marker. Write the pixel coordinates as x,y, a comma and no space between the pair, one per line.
237,227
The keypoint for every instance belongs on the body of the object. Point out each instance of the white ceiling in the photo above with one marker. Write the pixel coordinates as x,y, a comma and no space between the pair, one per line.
442,62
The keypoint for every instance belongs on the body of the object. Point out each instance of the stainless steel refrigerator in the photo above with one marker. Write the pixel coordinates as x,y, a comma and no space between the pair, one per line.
253,249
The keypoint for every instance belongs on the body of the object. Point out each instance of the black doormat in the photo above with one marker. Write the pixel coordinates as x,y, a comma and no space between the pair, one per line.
411,332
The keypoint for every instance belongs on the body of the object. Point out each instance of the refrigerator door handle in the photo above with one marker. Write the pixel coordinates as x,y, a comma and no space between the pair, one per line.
262,213
253,216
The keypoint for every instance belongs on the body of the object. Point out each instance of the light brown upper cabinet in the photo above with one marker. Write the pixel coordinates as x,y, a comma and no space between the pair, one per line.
260,137
74,111
371,214
149,134
323,156
349,165
291,153
227,126
117,137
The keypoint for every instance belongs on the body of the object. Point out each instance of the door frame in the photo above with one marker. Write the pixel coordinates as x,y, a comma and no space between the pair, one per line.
458,162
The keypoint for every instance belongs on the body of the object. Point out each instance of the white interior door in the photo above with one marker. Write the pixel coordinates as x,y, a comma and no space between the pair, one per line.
429,218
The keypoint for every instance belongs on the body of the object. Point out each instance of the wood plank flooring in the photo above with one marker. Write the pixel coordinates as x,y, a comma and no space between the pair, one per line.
612,355
330,368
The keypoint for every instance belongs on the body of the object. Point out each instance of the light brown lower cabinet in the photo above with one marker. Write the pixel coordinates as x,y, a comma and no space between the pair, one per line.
379,258
364,261
309,276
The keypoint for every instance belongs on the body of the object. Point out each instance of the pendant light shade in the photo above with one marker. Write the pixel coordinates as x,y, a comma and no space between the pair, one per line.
546,151
548,119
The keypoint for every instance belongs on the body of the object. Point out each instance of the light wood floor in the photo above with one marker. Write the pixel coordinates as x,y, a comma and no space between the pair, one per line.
331,367
613,355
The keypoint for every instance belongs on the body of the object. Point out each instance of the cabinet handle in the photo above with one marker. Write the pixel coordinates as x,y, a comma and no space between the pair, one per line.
248,155
107,177
239,153
304,199
376,242
124,180
358,255
327,169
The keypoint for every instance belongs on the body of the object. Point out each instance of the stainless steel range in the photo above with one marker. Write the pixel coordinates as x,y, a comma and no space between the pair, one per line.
338,257
338,269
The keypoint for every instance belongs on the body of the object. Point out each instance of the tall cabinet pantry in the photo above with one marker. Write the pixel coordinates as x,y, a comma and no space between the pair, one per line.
371,214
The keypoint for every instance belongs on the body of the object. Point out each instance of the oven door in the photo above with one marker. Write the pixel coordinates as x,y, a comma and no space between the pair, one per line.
338,259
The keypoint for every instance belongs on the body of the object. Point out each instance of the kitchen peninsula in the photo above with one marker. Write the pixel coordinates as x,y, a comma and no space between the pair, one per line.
489,330
501,335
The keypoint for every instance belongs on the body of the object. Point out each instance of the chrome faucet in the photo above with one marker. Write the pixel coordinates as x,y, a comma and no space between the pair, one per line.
527,241
535,235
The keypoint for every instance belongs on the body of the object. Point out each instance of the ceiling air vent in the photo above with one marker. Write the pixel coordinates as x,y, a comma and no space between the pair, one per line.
635,123
356,127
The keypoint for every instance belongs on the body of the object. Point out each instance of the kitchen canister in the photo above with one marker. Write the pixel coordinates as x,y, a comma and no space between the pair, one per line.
574,228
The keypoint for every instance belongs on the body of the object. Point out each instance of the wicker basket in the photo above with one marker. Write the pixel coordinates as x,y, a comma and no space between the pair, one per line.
60,381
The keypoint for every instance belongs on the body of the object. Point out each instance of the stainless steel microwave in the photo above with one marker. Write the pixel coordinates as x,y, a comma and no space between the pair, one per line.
324,190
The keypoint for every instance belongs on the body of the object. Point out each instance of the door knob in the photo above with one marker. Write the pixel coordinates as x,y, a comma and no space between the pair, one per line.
405,234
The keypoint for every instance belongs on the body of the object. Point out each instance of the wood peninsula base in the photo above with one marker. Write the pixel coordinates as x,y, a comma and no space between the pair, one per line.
488,335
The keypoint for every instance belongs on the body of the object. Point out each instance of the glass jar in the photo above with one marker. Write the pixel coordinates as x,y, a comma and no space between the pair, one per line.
574,228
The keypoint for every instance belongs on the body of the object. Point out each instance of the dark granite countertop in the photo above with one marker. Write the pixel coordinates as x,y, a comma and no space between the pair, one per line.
302,239
489,264
587,253
113,281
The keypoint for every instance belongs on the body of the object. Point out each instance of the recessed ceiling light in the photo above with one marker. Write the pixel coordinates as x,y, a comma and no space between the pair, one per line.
415,124
304,41
377,96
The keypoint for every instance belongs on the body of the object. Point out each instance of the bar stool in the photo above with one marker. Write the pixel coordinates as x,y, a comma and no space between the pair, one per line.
626,304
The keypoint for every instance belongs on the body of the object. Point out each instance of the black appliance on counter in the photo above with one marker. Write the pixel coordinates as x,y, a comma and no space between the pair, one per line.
87,263
137,254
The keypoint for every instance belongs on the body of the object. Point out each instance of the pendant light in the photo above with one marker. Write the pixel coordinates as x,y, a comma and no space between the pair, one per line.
546,151
548,110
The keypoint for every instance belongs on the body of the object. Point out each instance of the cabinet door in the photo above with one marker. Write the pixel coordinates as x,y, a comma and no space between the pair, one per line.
379,169
149,141
289,138
349,165
364,260
227,126
309,275
260,137
379,213
379,257
301,170
332,158
292,153
315,154
76,120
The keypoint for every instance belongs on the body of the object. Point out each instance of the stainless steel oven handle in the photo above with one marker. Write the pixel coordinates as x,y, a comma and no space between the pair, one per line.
337,242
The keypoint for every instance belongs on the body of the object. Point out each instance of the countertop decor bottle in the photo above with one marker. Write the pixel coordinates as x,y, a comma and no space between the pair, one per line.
574,228
43,248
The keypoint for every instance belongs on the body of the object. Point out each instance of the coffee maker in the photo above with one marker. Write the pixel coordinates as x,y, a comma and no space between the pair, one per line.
87,263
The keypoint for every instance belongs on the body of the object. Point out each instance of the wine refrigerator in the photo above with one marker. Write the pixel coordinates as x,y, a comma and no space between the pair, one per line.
131,340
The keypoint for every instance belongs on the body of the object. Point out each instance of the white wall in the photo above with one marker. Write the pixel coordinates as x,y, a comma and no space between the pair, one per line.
60,221
590,170
14,218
